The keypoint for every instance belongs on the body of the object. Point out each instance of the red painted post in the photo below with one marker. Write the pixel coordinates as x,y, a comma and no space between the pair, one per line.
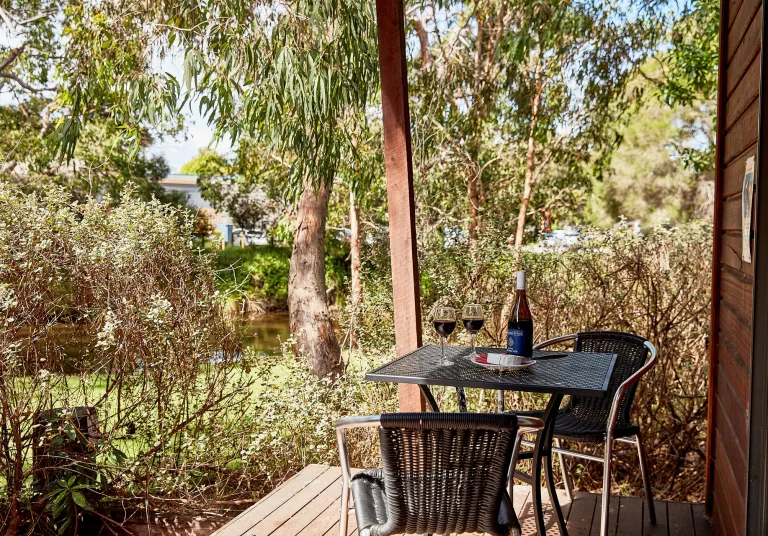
402,211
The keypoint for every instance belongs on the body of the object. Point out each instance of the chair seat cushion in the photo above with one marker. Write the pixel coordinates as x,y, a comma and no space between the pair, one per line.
370,502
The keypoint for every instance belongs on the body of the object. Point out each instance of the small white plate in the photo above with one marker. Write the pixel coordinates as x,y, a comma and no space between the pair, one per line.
492,362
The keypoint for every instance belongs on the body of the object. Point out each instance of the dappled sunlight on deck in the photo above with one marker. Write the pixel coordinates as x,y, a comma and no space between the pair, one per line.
308,505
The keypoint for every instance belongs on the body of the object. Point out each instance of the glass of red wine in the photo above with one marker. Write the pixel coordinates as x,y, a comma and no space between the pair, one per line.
445,323
472,316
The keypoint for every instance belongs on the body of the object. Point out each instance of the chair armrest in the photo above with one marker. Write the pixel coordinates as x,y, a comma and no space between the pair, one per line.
556,340
529,422
629,382
344,424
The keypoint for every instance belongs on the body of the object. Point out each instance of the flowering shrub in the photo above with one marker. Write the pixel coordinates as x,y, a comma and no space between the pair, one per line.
159,376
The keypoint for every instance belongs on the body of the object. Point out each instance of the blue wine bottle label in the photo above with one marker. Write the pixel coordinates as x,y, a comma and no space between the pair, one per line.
519,342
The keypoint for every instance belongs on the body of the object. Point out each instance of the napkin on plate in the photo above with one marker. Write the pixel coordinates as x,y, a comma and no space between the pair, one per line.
497,359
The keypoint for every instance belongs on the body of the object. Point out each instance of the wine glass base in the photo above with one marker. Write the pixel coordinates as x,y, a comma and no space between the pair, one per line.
445,363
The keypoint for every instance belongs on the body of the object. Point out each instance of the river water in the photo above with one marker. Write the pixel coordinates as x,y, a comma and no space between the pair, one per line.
264,333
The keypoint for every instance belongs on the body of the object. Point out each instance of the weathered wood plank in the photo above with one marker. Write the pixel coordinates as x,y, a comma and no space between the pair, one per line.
582,512
701,523
725,502
272,501
734,427
738,374
733,10
549,512
732,462
324,522
744,54
311,511
741,21
731,215
660,528
680,519
733,174
742,134
613,516
630,517
297,502
730,254
743,94
737,329
736,290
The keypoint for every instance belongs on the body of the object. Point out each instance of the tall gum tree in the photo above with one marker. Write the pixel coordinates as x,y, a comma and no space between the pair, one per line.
295,76
521,102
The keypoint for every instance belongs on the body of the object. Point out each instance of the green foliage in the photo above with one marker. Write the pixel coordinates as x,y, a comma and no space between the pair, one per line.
535,89
297,80
160,358
688,77
692,61
101,166
646,180
259,273
66,500
28,52
294,415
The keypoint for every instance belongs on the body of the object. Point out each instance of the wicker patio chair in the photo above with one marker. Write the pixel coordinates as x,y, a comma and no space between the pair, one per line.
602,420
442,473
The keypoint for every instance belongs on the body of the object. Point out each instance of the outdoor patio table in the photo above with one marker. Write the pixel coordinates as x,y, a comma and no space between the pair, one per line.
572,373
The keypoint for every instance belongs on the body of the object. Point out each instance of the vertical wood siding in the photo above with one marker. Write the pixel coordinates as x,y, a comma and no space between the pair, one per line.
733,279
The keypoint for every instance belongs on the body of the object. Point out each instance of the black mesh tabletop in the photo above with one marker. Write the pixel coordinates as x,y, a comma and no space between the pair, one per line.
578,373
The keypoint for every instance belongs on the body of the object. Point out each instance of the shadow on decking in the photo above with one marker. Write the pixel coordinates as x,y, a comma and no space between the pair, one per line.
308,505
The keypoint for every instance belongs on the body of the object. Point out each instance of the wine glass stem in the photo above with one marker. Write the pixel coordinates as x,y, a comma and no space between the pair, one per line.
474,343
442,347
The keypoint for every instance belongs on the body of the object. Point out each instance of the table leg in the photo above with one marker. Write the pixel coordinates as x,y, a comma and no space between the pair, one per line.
429,398
542,449
462,399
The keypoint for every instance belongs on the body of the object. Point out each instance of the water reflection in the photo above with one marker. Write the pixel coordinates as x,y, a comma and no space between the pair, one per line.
265,333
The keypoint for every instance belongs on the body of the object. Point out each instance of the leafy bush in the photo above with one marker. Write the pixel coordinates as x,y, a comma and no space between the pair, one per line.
258,273
294,413
162,366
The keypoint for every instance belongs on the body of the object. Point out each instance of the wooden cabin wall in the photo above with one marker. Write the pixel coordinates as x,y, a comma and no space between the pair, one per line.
738,106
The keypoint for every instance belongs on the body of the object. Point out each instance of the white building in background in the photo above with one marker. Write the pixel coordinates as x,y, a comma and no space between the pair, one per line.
187,184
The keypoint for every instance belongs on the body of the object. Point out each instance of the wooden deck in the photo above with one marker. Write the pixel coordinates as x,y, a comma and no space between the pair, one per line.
308,505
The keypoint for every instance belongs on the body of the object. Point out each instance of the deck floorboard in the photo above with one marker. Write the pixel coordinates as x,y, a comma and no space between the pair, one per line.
308,505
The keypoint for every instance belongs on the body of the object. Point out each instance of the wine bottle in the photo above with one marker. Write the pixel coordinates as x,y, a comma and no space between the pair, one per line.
520,325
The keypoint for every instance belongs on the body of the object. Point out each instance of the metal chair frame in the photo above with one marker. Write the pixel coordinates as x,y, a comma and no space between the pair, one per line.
346,423
609,439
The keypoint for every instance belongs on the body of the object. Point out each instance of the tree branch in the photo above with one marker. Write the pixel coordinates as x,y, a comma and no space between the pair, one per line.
13,55
23,84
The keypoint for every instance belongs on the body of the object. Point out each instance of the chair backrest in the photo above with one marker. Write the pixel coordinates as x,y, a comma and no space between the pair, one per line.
445,472
631,354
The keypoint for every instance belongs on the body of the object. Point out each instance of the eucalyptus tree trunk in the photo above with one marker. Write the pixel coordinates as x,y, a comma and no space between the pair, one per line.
530,158
474,195
356,262
311,325
354,251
